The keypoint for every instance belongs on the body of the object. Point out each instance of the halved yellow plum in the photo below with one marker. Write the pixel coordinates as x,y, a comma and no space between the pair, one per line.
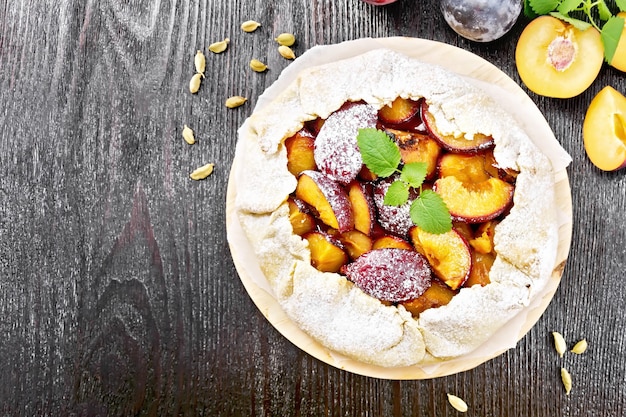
604,130
554,59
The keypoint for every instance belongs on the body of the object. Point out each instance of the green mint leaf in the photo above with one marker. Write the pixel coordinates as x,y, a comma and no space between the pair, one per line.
603,11
379,152
414,173
430,213
578,24
528,11
397,194
611,32
567,6
543,6
621,4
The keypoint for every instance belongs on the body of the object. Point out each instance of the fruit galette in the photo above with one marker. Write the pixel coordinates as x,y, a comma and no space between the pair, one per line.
360,259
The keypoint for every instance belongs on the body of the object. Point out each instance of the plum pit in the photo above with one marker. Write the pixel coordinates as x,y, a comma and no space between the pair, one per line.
561,53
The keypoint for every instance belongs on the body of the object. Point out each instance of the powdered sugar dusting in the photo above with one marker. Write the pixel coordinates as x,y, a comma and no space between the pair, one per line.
328,307
336,151
390,274
338,314
394,219
470,318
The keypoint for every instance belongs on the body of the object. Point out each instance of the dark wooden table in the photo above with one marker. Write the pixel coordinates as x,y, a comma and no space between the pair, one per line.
118,295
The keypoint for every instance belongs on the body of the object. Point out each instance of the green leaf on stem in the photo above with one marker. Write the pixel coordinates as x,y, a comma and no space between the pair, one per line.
528,11
603,11
414,173
578,24
382,156
543,6
611,32
397,194
430,213
379,152
567,6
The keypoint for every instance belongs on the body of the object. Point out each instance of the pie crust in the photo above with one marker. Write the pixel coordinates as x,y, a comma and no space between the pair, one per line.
328,307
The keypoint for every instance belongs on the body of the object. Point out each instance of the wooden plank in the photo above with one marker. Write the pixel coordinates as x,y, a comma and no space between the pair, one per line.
118,295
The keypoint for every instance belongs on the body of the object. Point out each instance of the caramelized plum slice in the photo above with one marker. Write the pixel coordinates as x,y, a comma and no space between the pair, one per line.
437,295
366,175
483,240
402,112
315,125
468,168
362,207
475,202
451,143
390,274
464,229
328,198
417,147
390,241
336,151
481,265
325,255
448,253
300,152
301,221
355,243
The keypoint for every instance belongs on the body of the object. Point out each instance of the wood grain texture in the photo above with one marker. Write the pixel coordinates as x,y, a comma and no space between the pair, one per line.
118,295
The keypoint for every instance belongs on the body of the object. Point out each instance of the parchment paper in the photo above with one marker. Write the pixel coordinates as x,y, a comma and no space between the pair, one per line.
513,99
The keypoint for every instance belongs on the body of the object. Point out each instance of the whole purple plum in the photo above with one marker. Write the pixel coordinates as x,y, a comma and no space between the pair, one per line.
481,20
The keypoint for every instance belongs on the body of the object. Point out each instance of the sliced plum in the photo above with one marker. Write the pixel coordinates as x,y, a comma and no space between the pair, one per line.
390,274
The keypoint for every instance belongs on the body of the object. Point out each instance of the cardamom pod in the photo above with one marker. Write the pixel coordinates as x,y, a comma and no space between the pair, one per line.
286,52
457,403
559,343
219,47
286,39
250,26
200,62
235,101
580,347
257,65
194,83
202,172
188,135
567,380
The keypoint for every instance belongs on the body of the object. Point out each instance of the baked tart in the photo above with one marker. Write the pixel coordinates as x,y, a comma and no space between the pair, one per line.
358,275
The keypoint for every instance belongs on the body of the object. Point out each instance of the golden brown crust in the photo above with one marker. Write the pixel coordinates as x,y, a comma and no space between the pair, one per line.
327,306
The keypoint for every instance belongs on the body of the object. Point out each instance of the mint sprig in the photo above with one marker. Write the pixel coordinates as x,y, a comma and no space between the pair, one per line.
382,156
611,32
397,194
428,212
583,14
379,152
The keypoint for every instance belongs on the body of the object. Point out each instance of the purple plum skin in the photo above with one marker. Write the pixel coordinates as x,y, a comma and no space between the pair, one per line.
379,2
481,20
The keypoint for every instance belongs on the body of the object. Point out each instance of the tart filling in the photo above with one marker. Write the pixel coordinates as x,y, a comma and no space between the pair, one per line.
354,273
